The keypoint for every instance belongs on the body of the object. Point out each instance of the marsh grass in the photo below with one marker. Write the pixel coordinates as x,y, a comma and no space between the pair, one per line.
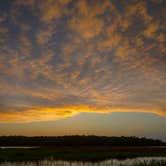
111,162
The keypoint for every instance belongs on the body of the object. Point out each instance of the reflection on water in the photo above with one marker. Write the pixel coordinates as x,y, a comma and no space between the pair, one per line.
112,162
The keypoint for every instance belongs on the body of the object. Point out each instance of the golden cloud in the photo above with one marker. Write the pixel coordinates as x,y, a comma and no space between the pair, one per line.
47,114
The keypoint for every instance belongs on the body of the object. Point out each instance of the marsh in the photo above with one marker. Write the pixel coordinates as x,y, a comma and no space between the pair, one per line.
141,161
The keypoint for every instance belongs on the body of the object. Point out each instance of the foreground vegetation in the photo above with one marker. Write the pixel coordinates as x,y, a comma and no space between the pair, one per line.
131,162
152,163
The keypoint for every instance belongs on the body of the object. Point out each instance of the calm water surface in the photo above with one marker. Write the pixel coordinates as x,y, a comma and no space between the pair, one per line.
111,162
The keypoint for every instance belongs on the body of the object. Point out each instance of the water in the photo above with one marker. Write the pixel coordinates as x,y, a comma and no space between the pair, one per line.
111,162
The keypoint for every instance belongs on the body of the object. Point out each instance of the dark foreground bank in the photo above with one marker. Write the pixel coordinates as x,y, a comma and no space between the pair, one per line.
80,148
97,153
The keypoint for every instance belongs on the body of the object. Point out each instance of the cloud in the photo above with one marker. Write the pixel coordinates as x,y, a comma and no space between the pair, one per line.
51,9
87,22
61,58
47,114
87,27
139,9
45,35
151,30
43,114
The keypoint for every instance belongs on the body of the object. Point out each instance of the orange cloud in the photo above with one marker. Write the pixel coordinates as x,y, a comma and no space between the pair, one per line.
47,114
151,30
87,27
51,9
87,22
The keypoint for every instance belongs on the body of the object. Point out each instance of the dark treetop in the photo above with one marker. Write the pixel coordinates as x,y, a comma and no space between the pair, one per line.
78,141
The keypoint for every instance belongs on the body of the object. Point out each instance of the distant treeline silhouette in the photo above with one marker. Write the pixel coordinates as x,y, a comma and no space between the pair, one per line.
78,141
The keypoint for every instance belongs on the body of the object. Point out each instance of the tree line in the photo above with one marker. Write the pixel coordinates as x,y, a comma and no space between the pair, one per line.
78,141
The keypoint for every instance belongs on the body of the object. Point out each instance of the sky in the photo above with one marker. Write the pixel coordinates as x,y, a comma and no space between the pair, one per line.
83,67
